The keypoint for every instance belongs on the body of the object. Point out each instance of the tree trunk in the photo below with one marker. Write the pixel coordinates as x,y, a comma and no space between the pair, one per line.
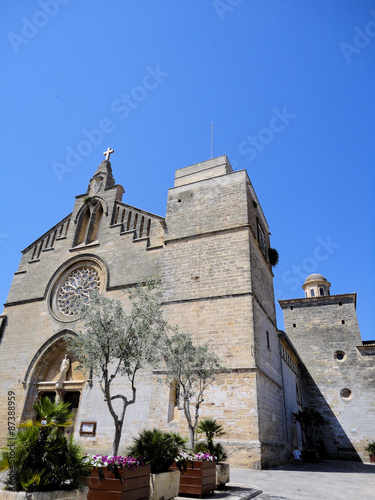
191,437
116,441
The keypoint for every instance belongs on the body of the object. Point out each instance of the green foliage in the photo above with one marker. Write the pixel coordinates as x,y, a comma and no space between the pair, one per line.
192,368
273,256
371,448
211,429
310,421
56,413
117,343
44,459
215,449
158,448
114,344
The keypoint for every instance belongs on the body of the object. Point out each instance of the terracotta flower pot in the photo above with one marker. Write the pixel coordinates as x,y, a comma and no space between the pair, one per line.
198,479
372,458
133,485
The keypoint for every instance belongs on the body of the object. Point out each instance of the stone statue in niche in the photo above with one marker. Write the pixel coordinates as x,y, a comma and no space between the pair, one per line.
64,367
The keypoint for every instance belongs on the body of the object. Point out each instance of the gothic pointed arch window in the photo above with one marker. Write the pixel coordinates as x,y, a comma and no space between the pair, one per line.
88,224
82,225
96,218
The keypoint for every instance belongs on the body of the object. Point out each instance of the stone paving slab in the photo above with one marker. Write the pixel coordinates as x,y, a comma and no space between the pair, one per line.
264,496
228,493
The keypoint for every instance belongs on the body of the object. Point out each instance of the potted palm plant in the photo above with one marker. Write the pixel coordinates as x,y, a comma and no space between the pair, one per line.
371,450
43,459
160,449
212,429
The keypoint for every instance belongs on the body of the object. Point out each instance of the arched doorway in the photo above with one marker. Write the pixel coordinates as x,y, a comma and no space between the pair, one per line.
53,373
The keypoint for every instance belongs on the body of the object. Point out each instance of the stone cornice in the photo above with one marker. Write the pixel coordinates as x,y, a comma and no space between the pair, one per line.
318,301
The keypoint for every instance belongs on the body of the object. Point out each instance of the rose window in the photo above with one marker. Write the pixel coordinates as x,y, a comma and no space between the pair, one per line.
76,287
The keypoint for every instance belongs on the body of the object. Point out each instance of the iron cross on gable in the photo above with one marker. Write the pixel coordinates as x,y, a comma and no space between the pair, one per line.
108,153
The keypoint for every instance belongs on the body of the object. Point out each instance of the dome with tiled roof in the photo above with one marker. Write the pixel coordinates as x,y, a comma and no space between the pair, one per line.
316,285
315,277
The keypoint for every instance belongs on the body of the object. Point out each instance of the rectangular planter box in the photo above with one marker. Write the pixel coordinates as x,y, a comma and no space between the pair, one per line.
165,485
198,479
222,475
135,484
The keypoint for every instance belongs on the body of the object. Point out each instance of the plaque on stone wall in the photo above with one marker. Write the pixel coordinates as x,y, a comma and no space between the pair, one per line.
87,429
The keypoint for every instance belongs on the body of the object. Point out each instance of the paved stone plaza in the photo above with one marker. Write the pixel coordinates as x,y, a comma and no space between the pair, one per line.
332,480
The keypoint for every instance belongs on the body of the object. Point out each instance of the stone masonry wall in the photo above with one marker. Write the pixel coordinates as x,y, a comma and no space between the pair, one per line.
216,284
214,276
326,335
123,260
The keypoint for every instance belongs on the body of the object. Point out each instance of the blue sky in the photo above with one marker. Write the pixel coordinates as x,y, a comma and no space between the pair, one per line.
289,87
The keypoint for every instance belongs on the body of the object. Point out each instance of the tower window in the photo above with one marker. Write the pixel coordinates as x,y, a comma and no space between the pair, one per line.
268,341
340,356
88,224
174,402
321,291
261,237
312,293
93,230
343,322
346,394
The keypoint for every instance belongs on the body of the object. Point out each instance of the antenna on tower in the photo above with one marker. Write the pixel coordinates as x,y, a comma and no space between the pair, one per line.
212,127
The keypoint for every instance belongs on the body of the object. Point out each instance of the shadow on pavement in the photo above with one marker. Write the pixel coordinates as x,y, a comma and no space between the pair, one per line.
329,466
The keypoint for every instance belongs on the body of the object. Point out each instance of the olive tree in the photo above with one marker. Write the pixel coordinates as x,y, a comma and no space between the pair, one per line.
192,368
113,343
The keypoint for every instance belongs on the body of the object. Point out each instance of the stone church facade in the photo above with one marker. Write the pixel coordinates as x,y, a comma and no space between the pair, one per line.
211,251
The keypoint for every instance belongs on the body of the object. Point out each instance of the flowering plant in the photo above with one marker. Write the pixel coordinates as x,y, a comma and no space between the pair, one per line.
205,457
183,459
118,461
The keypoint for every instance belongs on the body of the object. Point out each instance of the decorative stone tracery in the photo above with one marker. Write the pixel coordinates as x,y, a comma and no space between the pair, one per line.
73,282
77,286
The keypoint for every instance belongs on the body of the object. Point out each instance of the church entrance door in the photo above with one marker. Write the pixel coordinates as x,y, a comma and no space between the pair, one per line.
72,398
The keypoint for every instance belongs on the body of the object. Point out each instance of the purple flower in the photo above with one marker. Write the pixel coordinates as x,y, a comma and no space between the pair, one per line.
123,462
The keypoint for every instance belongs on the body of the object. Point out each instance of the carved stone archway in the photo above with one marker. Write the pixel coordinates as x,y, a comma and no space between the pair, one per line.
47,375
